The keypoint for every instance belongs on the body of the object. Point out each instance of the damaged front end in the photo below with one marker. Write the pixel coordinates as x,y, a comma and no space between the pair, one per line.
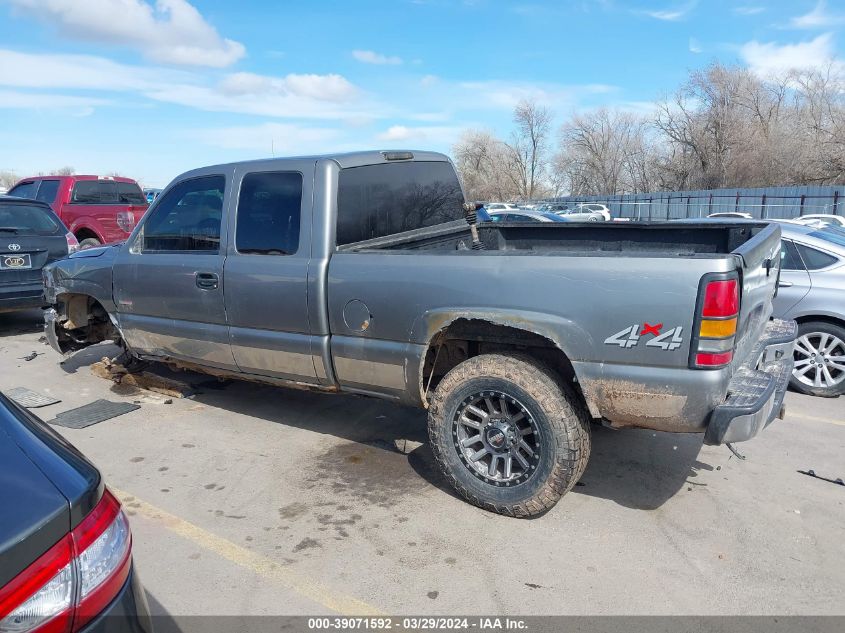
79,290
76,322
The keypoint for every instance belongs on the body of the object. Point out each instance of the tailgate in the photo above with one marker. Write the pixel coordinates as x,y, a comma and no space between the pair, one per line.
758,264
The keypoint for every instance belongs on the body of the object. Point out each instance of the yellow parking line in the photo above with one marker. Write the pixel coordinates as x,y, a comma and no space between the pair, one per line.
812,418
243,557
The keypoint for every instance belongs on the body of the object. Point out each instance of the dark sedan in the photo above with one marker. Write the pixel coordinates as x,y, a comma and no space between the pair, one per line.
31,236
65,546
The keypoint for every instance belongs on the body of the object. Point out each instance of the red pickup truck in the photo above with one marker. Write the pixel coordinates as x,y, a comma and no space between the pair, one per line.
96,209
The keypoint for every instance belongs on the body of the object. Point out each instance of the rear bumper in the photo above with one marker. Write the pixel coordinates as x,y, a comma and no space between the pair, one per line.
757,388
19,297
127,613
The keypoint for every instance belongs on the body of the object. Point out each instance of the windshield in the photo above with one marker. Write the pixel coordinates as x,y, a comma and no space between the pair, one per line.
23,219
831,234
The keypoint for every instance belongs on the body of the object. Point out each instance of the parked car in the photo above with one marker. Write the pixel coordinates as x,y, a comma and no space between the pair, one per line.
732,214
500,206
812,291
581,212
97,209
359,273
524,215
31,236
821,220
65,544
151,194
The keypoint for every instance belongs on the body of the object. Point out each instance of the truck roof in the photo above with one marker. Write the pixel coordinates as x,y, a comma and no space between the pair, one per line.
344,159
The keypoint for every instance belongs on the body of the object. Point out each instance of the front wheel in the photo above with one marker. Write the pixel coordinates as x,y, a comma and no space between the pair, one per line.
508,436
819,360
89,242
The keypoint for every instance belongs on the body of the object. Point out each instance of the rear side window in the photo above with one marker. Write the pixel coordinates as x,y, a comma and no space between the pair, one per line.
378,200
815,259
47,191
28,219
94,192
130,193
24,190
187,218
269,207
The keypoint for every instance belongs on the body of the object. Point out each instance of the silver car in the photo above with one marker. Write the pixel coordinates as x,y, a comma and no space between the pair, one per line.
812,291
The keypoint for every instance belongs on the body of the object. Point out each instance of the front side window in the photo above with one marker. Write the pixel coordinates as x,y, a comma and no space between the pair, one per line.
269,208
24,190
47,191
187,218
388,198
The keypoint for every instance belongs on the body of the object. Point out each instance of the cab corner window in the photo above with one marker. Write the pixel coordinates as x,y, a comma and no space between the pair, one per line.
187,218
269,207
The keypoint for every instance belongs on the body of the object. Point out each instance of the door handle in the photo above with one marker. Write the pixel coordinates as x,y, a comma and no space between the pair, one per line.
784,284
207,281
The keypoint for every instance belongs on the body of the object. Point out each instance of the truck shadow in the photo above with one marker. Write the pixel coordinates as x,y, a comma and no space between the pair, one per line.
385,450
641,469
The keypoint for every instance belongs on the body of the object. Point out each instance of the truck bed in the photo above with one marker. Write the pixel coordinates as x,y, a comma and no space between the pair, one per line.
705,239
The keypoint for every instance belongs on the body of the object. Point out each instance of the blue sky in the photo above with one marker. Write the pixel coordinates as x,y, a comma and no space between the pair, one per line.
151,88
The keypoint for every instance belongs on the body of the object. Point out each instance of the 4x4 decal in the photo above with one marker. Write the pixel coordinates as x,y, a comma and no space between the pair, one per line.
630,337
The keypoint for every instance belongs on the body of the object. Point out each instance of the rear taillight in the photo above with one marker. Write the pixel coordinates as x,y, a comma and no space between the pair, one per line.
126,221
716,323
75,579
72,243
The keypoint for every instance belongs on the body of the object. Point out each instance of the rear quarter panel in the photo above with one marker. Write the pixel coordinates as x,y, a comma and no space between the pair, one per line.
578,302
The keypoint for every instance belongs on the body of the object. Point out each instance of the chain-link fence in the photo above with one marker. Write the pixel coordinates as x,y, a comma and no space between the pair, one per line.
772,202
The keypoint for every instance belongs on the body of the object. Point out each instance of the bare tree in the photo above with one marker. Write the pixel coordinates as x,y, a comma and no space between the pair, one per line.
605,151
528,150
8,179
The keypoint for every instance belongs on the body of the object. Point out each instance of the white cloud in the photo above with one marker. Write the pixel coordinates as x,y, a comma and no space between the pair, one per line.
320,87
74,105
82,72
695,46
371,57
818,18
748,10
672,14
279,138
429,134
771,59
170,32
305,96
507,94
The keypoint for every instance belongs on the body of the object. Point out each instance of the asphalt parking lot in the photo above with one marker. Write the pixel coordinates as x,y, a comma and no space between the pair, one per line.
248,499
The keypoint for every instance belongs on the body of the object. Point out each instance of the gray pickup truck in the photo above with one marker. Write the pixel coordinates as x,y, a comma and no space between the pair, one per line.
366,273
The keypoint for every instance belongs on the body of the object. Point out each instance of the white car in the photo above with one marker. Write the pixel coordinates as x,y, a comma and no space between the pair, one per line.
581,211
732,214
821,220
500,206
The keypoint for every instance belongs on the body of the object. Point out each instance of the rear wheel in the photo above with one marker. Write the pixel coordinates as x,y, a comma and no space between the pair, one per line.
507,434
89,242
819,360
